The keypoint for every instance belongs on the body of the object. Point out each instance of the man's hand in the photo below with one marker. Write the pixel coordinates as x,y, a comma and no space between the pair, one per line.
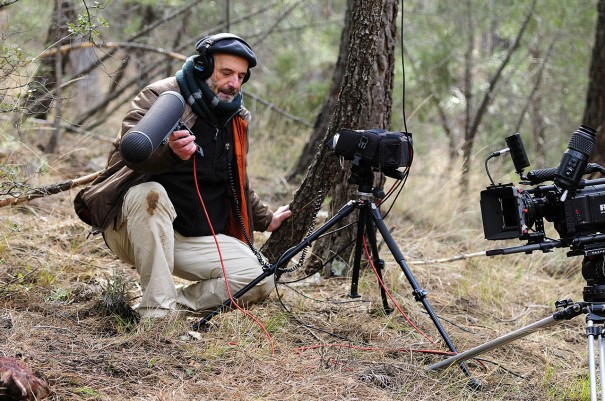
182,144
281,214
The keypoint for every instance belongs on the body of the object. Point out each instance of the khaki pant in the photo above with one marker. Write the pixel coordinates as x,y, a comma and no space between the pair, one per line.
144,237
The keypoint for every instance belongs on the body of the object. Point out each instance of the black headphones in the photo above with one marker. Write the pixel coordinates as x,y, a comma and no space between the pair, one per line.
204,63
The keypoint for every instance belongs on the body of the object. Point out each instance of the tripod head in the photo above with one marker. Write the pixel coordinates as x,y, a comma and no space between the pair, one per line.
593,271
362,174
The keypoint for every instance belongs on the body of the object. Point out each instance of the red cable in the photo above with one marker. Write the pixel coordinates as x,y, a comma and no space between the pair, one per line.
422,351
393,187
365,247
220,255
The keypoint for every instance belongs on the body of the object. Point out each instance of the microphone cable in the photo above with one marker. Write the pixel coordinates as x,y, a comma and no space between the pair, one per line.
218,248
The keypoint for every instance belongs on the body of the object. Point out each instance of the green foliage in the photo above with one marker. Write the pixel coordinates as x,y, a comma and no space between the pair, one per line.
277,323
578,390
60,295
88,25
436,40
115,299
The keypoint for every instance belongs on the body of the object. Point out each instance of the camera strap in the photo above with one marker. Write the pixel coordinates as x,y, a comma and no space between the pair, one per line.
361,146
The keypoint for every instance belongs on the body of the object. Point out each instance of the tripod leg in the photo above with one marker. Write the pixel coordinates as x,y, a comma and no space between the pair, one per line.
419,293
468,354
199,324
283,259
601,361
358,248
590,330
378,263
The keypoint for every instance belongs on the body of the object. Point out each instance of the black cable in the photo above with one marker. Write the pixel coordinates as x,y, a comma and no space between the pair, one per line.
325,301
308,326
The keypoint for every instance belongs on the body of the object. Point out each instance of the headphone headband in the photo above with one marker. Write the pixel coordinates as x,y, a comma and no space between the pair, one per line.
227,43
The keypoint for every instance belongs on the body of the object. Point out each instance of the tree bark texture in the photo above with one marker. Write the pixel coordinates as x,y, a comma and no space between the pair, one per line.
594,114
364,102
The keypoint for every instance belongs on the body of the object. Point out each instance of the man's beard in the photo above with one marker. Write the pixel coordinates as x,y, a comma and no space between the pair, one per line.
225,95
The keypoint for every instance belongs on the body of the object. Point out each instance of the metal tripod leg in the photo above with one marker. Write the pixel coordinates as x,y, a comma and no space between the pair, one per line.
365,226
591,360
418,292
596,332
378,263
602,362
566,314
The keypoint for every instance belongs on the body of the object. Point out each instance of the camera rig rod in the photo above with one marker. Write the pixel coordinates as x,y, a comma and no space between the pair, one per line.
580,243
529,248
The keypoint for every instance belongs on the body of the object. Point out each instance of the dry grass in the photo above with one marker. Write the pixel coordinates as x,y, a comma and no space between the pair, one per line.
52,278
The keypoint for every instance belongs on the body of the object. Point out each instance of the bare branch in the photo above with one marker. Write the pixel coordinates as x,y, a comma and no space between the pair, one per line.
49,190
6,3
494,81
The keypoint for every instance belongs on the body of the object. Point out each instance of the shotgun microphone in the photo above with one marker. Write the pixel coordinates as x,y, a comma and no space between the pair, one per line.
161,119
575,159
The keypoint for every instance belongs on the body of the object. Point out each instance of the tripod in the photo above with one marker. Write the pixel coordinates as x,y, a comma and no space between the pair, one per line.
593,307
369,218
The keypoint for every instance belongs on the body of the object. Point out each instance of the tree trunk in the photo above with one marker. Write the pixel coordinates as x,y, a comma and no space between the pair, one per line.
323,119
594,114
365,102
467,145
42,85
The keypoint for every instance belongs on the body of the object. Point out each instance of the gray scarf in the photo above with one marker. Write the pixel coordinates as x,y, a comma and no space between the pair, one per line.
200,97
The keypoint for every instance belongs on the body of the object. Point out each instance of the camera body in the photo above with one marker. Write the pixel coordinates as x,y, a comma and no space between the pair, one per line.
510,212
377,148
575,206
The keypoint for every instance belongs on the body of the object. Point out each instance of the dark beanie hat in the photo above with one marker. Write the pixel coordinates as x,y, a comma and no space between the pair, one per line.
227,43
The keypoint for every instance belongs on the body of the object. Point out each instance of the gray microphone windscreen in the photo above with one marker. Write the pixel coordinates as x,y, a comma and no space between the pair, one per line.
160,120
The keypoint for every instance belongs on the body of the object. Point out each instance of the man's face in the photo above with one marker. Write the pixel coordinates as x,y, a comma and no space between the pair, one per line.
228,75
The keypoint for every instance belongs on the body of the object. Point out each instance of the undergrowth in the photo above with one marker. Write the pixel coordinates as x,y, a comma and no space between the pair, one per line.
66,310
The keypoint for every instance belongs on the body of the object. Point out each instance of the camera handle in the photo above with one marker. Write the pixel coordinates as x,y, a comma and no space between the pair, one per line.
369,218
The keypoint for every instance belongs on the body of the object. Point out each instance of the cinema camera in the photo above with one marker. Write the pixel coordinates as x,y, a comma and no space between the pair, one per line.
377,149
574,205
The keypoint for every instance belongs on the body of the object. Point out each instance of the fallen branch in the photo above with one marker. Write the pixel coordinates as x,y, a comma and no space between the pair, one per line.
445,260
49,190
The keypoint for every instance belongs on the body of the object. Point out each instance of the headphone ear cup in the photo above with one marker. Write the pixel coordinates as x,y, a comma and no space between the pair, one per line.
203,66
205,61
208,67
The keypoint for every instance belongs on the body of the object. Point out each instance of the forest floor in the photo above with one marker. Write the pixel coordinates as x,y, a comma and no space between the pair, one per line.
309,340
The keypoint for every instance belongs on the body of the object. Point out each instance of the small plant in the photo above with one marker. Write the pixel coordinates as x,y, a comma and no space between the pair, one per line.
60,295
115,299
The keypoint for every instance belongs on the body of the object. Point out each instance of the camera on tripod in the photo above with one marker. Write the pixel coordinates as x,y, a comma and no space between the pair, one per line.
575,206
376,148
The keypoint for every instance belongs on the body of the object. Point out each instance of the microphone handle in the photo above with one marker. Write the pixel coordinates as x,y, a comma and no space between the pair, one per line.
548,174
